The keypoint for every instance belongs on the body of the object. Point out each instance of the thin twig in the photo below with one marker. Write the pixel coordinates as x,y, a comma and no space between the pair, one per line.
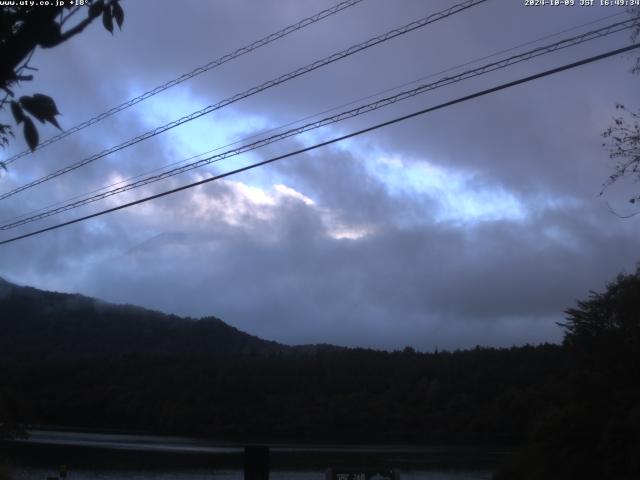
71,14
611,210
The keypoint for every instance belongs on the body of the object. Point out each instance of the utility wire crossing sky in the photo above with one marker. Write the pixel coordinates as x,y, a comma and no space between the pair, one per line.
576,40
193,73
477,224
344,137
252,91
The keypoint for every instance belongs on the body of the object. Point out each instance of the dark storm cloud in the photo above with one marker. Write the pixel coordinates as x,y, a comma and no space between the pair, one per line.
339,246
397,285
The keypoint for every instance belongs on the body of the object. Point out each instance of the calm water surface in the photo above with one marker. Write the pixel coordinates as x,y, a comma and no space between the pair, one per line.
92,456
27,473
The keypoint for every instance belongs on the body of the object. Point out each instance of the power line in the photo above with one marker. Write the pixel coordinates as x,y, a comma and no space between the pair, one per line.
252,91
526,56
308,117
193,73
334,140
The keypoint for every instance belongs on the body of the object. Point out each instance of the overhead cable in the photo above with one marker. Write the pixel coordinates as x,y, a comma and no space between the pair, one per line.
329,142
384,102
308,117
195,72
252,91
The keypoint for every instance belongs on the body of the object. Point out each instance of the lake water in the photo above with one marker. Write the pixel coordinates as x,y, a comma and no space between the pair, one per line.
143,457
185,474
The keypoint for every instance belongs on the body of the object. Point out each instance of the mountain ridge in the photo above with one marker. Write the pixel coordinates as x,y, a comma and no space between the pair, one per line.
40,325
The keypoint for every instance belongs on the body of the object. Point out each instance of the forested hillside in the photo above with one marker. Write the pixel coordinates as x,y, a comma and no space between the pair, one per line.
36,325
574,408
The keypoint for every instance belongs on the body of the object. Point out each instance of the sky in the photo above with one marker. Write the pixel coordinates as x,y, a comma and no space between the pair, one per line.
477,224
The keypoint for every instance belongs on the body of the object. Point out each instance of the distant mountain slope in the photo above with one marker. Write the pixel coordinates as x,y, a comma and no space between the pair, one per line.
40,325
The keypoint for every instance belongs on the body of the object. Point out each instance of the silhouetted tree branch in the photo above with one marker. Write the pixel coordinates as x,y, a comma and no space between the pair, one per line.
22,30
622,139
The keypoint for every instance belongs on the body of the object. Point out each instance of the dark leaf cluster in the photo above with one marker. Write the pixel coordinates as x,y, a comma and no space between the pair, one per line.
22,30
40,107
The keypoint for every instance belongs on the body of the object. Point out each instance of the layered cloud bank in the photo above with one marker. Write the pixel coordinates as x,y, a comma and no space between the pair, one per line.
478,224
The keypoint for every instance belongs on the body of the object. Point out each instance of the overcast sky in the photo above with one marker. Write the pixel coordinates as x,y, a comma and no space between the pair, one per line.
476,224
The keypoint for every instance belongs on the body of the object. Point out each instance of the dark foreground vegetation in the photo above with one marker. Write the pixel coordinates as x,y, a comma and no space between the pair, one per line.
476,396
574,409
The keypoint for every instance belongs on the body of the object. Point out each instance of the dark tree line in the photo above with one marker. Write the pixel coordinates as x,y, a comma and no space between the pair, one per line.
573,408
481,395
592,430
